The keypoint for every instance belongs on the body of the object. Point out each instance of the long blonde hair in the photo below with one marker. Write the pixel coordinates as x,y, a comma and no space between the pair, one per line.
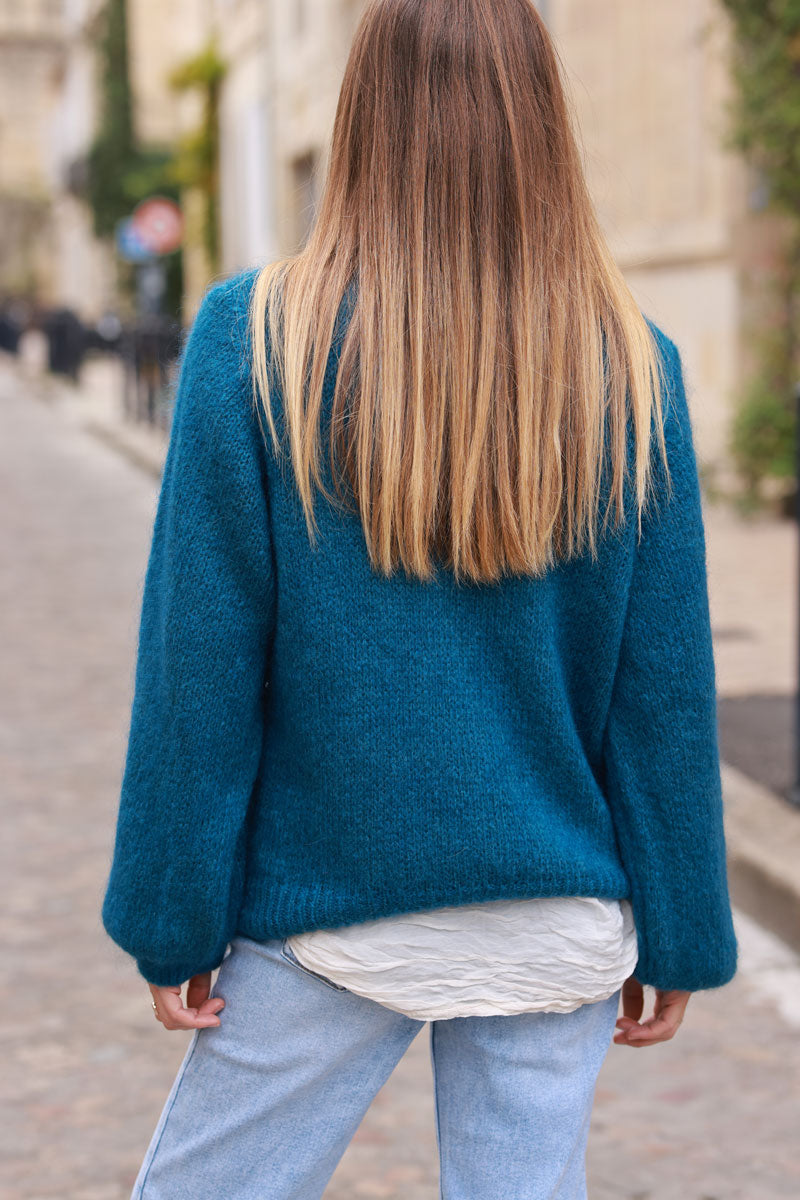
495,353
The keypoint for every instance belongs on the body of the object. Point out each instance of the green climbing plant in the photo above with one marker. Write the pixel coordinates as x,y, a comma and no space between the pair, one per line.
112,151
765,128
121,172
196,160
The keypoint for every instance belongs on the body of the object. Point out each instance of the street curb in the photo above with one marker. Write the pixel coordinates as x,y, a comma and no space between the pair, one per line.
149,459
143,446
762,834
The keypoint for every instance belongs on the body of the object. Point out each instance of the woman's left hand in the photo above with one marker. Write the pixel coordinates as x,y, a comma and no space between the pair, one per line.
667,1015
199,1012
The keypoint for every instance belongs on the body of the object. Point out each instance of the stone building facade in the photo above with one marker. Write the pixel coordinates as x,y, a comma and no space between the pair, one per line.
81,272
48,113
285,64
31,37
650,86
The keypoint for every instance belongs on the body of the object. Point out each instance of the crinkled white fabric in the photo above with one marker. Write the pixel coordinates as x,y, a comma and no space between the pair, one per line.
548,954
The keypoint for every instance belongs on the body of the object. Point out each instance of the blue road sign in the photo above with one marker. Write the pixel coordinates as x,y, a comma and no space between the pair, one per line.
129,244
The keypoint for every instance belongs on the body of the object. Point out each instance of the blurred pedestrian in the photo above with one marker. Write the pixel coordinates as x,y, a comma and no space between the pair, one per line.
10,330
66,341
424,720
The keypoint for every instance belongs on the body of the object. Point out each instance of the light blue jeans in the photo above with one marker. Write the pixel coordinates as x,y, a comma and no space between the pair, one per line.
264,1105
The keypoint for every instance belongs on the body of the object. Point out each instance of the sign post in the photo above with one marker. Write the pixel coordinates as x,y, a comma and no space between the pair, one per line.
153,230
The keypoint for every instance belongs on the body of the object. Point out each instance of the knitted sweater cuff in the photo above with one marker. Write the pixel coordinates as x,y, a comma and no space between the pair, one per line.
710,964
174,974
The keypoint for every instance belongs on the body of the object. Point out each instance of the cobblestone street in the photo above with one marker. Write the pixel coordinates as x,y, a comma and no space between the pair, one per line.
712,1115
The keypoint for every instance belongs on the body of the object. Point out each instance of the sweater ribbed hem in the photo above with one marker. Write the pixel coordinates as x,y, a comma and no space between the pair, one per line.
281,910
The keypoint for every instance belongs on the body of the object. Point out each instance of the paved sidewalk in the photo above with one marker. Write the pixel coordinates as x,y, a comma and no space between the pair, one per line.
753,586
713,1114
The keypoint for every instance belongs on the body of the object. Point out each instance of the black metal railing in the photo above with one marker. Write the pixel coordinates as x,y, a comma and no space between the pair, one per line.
150,348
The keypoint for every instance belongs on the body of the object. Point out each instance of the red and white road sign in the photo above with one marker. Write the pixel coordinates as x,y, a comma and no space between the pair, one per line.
158,224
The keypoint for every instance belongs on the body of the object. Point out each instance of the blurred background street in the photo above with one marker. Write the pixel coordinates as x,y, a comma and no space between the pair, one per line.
148,148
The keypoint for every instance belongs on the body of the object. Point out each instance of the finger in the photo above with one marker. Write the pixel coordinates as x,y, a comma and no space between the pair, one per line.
622,1040
173,1005
175,1016
626,1038
160,999
198,989
632,998
186,1020
654,1030
664,1020
671,1005
637,1043
159,992
669,1011
213,1005
667,1016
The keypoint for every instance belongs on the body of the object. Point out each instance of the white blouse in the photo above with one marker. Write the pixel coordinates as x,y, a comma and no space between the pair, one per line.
547,954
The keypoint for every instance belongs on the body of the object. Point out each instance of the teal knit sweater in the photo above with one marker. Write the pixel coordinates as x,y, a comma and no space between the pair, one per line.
314,745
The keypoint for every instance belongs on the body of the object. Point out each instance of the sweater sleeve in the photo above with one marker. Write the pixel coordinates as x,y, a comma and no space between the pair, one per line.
195,738
661,746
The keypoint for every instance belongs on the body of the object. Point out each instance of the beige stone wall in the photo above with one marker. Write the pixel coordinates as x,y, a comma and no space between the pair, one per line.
278,103
27,72
29,61
246,154
649,85
81,270
308,61
31,34
162,34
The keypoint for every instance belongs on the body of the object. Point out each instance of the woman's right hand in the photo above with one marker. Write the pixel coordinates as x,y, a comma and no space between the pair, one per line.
667,1015
199,1012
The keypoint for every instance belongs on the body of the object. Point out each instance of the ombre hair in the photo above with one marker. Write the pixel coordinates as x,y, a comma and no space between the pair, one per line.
495,364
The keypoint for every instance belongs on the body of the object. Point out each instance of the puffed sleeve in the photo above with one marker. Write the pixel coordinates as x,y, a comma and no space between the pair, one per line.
661,751
196,724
